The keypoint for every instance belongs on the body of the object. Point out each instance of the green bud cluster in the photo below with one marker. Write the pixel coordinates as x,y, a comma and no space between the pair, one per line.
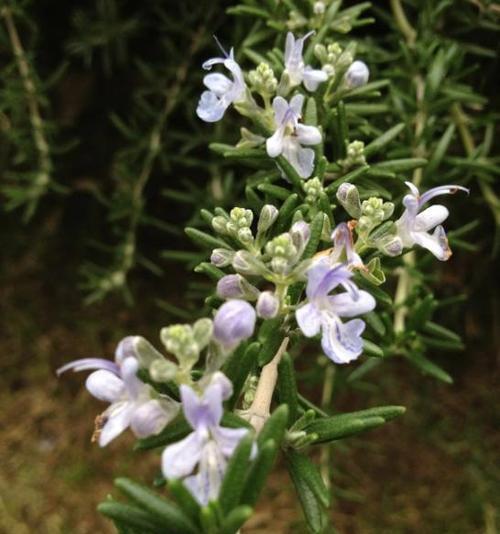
373,212
263,80
186,342
333,58
236,225
355,155
282,252
313,189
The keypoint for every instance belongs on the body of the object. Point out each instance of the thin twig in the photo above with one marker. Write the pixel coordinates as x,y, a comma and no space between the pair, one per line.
36,121
258,412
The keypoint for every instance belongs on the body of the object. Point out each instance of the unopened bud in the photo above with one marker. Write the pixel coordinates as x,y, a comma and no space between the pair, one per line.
268,305
245,263
390,245
267,217
357,75
202,332
219,224
234,286
348,196
221,257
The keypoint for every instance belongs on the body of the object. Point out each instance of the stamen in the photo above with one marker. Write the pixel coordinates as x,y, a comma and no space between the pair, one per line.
223,50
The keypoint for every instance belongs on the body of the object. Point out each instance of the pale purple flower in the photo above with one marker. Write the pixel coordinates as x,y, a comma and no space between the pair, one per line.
234,286
133,403
209,446
357,75
343,243
222,91
234,322
294,64
290,136
341,342
414,225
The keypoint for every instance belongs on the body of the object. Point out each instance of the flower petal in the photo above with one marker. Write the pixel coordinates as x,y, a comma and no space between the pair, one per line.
308,135
430,218
437,243
117,420
274,144
209,63
309,319
128,370
87,364
313,77
341,342
280,107
210,108
440,190
296,104
105,386
217,83
344,305
179,459
302,159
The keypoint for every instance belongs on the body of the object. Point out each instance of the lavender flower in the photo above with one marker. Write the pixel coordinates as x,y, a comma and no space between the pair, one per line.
222,91
294,64
209,445
290,135
133,403
341,342
234,322
343,243
267,305
414,225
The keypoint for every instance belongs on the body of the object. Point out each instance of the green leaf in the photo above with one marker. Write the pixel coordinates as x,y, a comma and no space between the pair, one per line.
290,172
287,387
400,165
169,515
130,516
235,519
210,270
185,500
349,177
174,431
286,212
270,336
311,114
422,312
314,512
430,368
204,239
371,349
259,471
274,191
316,227
380,142
310,475
234,478
347,424
274,428
438,330
375,322
374,274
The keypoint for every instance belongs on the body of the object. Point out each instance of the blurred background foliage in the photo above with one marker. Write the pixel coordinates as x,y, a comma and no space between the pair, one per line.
103,162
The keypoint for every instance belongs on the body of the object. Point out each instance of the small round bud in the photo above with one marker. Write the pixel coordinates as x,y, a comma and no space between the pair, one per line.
219,224
234,322
268,305
348,196
357,75
162,370
319,8
221,257
245,235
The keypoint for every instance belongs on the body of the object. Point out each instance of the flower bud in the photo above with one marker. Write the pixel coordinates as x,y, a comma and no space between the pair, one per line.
348,196
267,217
268,305
221,257
300,233
234,322
319,8
245,235
219,224
234,286
357,75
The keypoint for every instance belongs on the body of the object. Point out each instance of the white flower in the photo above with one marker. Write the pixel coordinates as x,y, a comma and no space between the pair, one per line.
294,64
290,136
414,225
222,91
